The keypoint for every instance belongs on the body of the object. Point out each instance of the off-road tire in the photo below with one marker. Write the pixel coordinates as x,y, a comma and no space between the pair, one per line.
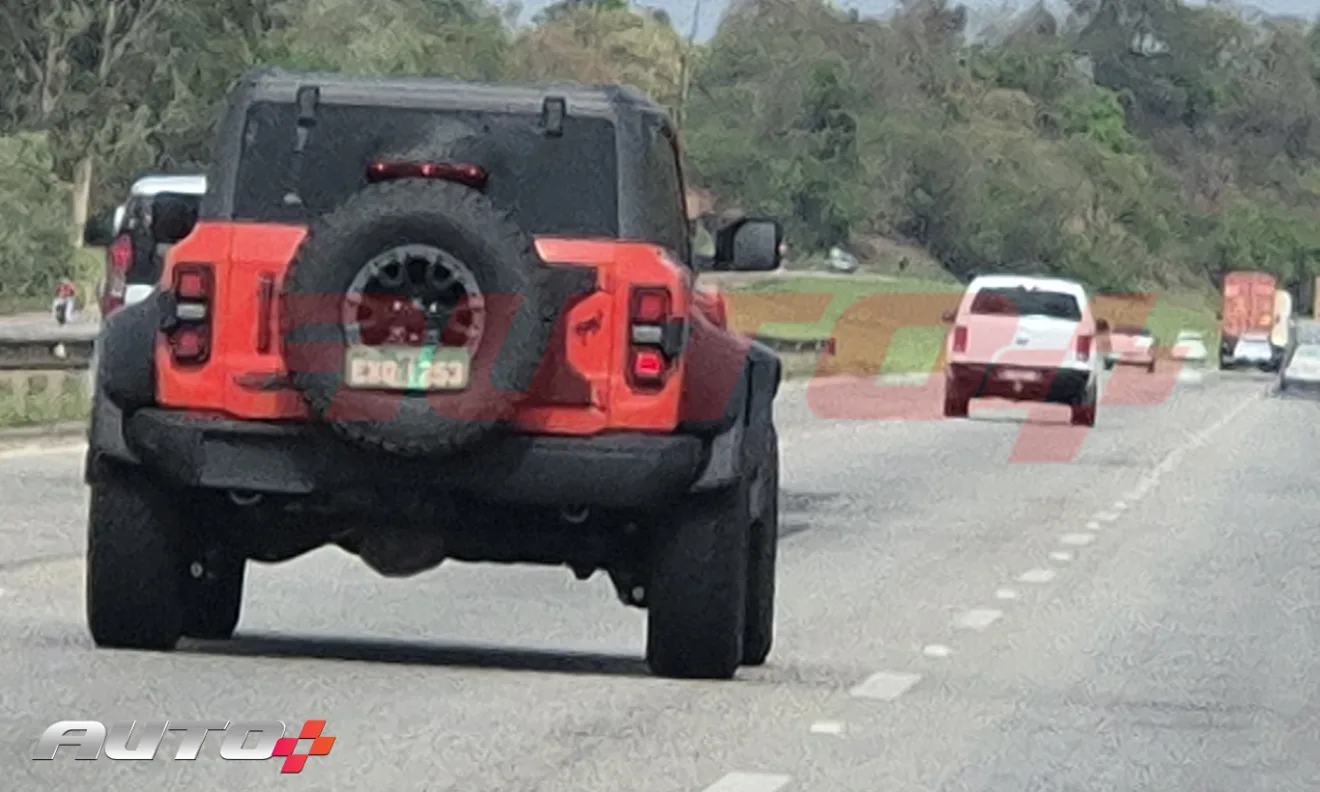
1084,410
762,555
214,602
697,601
134,565
502,258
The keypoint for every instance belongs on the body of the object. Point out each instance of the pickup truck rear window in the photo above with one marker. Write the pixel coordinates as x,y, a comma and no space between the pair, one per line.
565,185
1026,302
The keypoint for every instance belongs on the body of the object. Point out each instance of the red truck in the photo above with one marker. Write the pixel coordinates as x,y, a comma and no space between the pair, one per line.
1248,308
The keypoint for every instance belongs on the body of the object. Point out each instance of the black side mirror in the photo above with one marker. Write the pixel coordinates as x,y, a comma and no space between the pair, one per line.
748,245
172,217
99,231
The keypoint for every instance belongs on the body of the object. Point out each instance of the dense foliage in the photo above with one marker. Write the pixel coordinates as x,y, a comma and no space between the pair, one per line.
1128,142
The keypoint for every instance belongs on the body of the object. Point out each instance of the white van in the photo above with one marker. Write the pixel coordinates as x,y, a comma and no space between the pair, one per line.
1026,339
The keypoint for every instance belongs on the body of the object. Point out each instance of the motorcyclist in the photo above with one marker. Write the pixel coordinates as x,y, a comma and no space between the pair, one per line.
65,300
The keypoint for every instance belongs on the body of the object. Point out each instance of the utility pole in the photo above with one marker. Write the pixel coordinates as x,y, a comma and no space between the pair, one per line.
685,66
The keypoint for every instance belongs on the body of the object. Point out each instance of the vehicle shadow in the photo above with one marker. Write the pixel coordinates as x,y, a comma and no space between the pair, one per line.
367,650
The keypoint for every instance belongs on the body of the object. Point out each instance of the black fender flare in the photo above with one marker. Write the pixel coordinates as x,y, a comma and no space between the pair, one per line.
124,380
747,421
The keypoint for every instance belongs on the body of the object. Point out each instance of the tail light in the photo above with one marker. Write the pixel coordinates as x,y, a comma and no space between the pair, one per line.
189,334
118,259
1084,348
654,338
960,339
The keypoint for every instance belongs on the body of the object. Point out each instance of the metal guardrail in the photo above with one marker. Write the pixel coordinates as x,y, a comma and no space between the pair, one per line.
824,346
53,348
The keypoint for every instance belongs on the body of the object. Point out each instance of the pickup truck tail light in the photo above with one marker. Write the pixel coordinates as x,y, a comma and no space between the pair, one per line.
654,340
960,339
189,330
1084,348
118,259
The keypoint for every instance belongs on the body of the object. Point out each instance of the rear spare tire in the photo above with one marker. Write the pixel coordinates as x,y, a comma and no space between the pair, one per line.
420,264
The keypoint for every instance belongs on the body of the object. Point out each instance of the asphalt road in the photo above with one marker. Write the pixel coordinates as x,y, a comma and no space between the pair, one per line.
953,617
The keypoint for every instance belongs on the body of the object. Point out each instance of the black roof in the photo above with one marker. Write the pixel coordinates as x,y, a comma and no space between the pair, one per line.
278,85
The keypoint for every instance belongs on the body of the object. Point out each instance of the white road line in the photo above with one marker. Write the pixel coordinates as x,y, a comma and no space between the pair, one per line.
886,685
1037,576
1106,516
1093,526
979,619
1006,594
750,782
936,650
1077,539
1119,505
1061,555
828,727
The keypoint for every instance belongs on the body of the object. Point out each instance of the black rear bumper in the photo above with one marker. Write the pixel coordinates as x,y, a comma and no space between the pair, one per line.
977,381
623,470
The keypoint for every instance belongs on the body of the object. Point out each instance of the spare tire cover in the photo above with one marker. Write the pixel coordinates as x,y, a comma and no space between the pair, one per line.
391,221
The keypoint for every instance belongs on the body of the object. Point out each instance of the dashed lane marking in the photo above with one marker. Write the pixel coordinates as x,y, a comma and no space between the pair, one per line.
750,782
1077,539
827,727
1106,516
1119,505
886,685
1037,576
1006,594
1061,555
936,650
1093,526
979,619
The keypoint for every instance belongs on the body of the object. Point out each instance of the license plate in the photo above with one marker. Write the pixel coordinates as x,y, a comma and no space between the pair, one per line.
407,368
1019,376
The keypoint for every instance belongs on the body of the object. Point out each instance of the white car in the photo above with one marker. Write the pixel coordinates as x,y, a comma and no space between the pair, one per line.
1303,369
1132,346
1190,347
1025,339
1254,349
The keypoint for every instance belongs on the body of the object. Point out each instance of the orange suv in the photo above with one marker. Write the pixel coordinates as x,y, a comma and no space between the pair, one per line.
426,319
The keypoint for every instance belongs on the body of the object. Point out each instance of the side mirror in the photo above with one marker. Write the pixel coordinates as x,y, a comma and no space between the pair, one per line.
172,217
99,231
1102,326
948,317
748,245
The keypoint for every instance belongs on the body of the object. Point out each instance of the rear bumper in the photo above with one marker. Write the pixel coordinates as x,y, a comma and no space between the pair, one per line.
988,381
625,470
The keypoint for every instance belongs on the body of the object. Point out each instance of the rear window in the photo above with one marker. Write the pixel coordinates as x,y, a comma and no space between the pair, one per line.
565,185
1026,302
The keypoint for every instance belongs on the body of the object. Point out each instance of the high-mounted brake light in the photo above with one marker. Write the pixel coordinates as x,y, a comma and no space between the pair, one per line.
189,335
960,339
473,176
651,329
1084,348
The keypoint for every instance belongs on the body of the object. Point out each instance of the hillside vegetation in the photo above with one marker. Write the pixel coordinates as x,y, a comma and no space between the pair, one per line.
1132,143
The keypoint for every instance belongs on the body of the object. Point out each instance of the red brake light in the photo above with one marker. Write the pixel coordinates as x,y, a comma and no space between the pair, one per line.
192,285
960,339
1083,348
120,255
648,365
473,176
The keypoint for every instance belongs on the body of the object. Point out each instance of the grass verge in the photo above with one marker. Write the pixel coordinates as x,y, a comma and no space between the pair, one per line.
24,402
892,326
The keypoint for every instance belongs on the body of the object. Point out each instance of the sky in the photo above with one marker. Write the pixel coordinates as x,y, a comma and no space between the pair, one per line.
681,11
